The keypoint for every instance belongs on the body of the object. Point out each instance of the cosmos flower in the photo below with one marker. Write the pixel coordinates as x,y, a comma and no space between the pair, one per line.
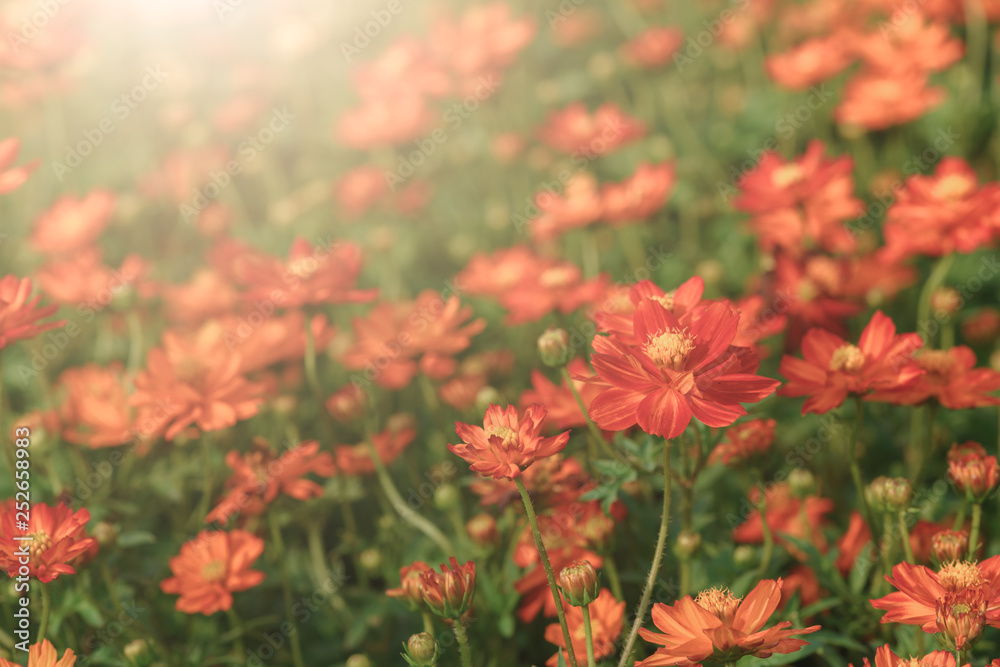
577,131
19,316
639,196
878,99
950,378
95,412
507,443
653,47
606,617
59,540
210,568
562,410
745,442
682,367
619,322
13,178
43,654
390,443
832,369
720,626
449,593
811,62
884,657
409,591
72,224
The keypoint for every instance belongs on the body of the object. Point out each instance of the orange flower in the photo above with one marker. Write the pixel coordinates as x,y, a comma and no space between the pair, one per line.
580,207
210,568
494,274
640,196
312,275
359,189
552,481
507,443
18,316
920,43
43,654
81,278
409,585
385,122
973,473
722,627
877,99
812,61
575,130
606,616
73,224
557,286
195,380
562,410
950,378
784,517
744,442
919,590
884,657
96,412
833,368
356,460
259,476
59,540
620,322
207,294
12,179
450,593
264,341
654,46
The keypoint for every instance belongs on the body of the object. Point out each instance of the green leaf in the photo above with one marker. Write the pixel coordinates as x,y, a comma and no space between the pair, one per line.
135,538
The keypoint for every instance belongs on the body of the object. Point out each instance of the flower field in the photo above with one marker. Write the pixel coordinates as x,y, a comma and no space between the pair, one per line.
497,333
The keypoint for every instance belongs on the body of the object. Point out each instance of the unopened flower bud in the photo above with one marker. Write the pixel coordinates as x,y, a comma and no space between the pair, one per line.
946,301
553,347
801,482
370,560
898,494
687,544
137,653
449,594
482,528
486,397
105,534
579,583
447,497
972,472
982,327
421,650
949,546
358,660
745,556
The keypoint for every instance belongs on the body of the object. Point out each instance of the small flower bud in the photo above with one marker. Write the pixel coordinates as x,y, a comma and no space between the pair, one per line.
898,494
949,545
105,534
370,560
972,472
875,493
358,660
579,583
447,497
421,650
801,482
410,591
745,556
687,544
137,653
487,396
553,347
482,528
449,594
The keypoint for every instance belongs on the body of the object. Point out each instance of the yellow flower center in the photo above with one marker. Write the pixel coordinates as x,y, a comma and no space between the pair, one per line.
786,175
848,358
720,602
505,433
213,571
935,361
304,267
557,276
953,187
39,543
959,576
670,349
667,300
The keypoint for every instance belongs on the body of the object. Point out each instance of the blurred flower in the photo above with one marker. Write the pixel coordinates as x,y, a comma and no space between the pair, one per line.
13,178
812,61
58,540
721,627
801,204
557,286
72,224
82,279
833,368
982,326
744,442
653,47
639,196
949,545
580,207
562,410
259,476
95,411
784,514
210,568
359,189
347,403
974,474
43,654
575,130
409,591
682,367
878,99
194,379
606,617
950,378
884,657
356,460
207,294
507,443
19,316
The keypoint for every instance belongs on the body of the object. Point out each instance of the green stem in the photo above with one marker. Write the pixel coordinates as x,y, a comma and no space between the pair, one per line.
589,636
46,611
852,447
938,274
8,447
237,625
310,360
977,516
904,533
613,579
529,509
135,342
463,643
977,38
661,541
207,481
887,539
286,588
595,432
765,559
404,511
428,623
960,517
